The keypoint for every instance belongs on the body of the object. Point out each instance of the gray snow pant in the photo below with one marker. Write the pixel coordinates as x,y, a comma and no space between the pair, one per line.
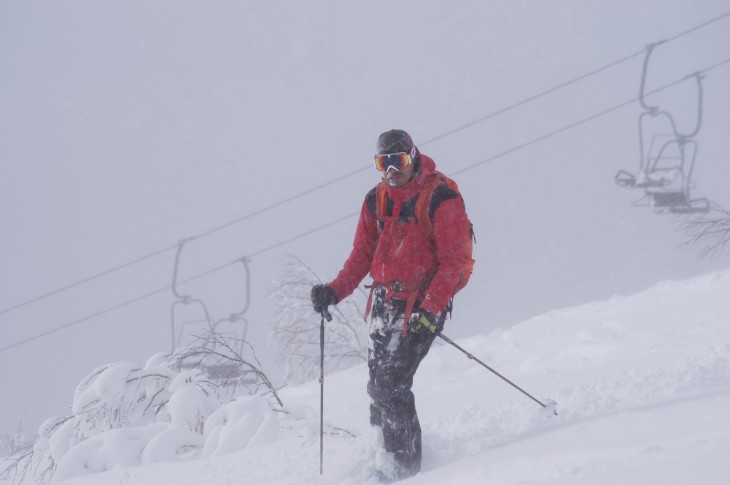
393,361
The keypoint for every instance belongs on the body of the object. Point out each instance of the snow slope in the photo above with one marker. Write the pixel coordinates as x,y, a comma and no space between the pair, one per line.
642,384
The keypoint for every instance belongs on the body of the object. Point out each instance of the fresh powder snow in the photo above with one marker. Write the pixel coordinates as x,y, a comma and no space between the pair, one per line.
642,385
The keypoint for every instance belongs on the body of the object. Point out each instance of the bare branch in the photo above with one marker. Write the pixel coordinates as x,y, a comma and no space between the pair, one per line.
708,234
295,330
221,357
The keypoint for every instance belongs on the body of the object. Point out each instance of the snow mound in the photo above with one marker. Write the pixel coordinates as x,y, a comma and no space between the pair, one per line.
126,416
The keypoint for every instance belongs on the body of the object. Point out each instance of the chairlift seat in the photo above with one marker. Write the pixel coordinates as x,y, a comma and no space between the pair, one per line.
677,203
668,200
658,179
695,206
663,179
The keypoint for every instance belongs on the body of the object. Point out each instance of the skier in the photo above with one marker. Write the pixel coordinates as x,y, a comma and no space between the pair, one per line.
416,268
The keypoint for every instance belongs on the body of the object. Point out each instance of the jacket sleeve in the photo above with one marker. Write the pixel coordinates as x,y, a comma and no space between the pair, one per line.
449,221
357,265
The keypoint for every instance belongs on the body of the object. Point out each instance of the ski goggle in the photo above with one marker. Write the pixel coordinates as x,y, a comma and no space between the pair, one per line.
397,161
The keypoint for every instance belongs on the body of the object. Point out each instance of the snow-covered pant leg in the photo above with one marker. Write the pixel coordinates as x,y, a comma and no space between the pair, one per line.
393,361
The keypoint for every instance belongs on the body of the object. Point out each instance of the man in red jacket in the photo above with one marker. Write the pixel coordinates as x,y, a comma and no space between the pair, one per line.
414,276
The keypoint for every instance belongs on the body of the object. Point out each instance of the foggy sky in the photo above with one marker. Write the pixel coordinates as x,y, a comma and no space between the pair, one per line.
126,127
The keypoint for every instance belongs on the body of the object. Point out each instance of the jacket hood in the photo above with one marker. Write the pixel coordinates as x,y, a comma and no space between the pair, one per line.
428,166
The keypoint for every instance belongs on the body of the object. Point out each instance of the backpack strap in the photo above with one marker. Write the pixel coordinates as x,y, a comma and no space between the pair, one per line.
381,205
423,203
369,305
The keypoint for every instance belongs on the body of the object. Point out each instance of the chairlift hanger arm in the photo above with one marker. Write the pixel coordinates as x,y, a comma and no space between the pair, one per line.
700,99
245,260
180,244
642,87
654,110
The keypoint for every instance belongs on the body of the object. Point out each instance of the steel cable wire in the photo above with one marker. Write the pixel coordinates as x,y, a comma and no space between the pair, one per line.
347,175
349,216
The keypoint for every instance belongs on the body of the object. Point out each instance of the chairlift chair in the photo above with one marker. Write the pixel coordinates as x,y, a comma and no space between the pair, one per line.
667,161
215,370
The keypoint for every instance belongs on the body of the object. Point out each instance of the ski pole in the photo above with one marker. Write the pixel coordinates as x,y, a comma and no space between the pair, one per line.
325,314
549,407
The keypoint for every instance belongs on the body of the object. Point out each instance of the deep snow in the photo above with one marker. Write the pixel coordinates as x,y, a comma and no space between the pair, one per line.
642,384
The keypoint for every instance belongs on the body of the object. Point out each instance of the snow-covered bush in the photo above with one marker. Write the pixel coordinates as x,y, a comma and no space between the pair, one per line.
124,415
295,329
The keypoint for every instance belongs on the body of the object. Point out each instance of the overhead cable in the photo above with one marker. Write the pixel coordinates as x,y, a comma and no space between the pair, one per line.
349,216
347,175
586,120
174,246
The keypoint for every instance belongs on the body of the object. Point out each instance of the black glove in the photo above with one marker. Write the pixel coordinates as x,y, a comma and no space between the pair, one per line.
322,297
424,321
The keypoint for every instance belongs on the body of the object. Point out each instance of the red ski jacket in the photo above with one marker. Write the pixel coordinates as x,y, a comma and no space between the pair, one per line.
400,258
